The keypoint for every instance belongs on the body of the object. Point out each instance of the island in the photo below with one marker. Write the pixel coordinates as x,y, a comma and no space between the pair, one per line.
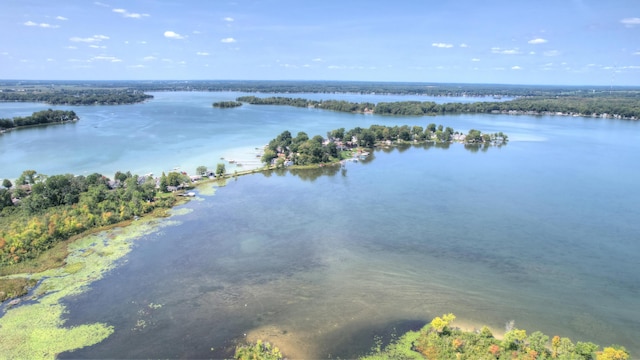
226,104
73,96
626,107
44,117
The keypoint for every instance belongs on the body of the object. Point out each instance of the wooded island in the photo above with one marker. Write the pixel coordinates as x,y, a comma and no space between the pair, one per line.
622,108
39,118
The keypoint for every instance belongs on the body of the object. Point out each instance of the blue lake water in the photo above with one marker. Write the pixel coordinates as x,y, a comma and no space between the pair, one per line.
542,231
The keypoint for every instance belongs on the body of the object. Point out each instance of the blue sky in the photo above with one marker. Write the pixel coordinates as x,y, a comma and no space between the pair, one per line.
564,42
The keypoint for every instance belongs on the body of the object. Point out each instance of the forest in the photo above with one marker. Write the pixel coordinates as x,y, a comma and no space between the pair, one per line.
75,96
39,118
302,150
623,108
440,340
38,210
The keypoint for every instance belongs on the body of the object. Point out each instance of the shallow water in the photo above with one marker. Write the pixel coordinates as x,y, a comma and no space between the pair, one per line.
542,231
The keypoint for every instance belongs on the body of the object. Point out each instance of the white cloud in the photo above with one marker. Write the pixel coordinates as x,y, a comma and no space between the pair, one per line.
97,46
630,22
228,19
228,40
197,32
318,60
497,50
93,39
442,45
50,60
101,4
173,35
463,45
42,25
516,67
149,58
333,67
136,66
532,52
537,41
551,53
200,53
61,18
72,47
127,14
105,58
475,59
636,53
136,15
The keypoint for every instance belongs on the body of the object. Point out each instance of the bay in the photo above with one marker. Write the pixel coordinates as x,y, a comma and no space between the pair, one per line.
175,130
542,231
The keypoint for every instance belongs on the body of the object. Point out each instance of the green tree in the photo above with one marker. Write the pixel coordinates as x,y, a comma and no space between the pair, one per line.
174,178
201,170
28,177
164,182
586,349
5,199
7,183
337,134
538,342
268,156
514,339
220,170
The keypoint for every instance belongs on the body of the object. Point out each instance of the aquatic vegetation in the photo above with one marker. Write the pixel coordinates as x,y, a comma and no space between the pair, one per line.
259,350
36,330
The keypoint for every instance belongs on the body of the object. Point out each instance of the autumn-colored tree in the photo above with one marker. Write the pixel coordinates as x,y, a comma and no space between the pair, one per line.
440,324
613,353
555,344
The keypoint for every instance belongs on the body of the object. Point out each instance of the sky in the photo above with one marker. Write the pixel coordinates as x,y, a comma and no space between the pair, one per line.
542,42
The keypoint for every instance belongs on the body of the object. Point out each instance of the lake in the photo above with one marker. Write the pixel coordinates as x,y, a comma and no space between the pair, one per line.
542,231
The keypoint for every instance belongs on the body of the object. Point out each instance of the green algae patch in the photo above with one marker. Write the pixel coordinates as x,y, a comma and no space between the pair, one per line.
181,211
36,330
206,189
74,268
209,187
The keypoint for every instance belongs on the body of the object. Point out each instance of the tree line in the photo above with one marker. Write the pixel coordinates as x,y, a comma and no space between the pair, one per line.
39,210
77,96
440,340
39,118
382,88
622,107
302,150
226,104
